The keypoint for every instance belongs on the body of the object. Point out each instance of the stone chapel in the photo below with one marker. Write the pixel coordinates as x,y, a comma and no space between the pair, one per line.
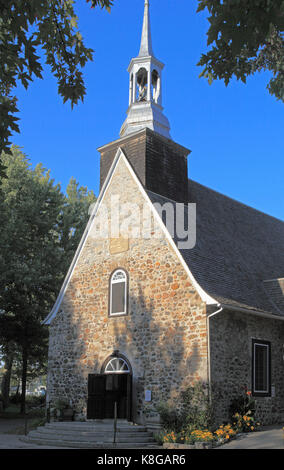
140,318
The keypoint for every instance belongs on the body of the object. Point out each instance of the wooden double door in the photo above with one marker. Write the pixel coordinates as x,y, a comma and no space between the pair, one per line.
104,390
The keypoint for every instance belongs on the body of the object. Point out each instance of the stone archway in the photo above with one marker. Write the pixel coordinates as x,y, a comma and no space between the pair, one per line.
112,386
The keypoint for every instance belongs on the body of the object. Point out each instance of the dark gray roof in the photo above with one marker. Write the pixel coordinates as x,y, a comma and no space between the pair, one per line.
237,248
275,291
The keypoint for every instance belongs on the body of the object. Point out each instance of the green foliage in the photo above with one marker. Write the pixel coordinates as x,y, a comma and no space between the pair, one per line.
243,404
194,413
15,399
40,230
35,403
74,217
159,437
244,423
242,412
170,417
197,411
26,27
246,37
61,404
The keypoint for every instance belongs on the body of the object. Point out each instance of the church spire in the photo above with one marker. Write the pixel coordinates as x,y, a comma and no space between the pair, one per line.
146,48
145,88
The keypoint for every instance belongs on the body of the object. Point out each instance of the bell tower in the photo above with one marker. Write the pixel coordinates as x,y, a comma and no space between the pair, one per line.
145,88
159,162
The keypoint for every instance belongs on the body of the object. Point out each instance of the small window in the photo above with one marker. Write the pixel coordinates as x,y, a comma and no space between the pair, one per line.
117,365
261,368
118,293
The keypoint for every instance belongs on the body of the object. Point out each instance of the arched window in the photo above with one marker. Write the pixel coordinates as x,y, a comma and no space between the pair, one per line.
142,84
118,293
117,365
156,85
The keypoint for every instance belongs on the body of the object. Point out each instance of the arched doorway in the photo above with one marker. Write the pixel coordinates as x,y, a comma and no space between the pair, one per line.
112,386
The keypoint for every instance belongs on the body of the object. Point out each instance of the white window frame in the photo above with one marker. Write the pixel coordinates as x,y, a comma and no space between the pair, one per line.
268,352
111,314
115,371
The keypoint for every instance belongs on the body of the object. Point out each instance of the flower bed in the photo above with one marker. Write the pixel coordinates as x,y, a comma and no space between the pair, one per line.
205,439
193,428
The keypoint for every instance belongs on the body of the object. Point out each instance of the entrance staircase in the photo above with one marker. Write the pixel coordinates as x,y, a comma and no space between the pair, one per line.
93,434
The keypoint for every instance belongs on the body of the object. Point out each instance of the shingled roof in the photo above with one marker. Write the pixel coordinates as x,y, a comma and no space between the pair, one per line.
237,248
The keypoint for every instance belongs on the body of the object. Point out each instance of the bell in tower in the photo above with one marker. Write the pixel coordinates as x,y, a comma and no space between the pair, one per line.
159,162
145,90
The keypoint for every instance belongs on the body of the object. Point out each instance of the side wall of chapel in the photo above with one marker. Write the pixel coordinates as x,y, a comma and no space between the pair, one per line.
231,335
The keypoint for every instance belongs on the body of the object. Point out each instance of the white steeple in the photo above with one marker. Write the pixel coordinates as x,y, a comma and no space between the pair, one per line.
145,88
146,39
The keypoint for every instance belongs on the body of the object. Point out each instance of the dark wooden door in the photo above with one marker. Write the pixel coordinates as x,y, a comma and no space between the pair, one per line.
116,391
96,396
106,389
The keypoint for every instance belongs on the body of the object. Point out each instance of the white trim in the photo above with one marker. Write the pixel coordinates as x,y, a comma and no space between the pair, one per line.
114,371
204,296
213,314
81,245
267,346
118,281
120,154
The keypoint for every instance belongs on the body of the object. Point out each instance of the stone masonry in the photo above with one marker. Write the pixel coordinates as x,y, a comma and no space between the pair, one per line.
163,336
231,335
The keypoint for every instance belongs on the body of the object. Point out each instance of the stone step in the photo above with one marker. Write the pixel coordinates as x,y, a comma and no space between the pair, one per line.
88,437
87,445
90,427
94,435
91,435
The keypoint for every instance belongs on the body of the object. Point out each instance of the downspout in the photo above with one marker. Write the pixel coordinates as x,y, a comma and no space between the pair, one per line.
208,349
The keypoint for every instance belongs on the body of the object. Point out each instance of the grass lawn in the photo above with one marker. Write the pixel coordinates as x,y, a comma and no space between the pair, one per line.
36,417
11,412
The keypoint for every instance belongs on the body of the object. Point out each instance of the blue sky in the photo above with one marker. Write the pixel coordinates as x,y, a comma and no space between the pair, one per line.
235,133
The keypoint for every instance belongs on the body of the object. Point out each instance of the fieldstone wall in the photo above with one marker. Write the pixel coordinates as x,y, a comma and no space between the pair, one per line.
163,336
231,337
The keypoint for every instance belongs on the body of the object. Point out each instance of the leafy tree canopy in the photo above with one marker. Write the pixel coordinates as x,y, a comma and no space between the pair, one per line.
246,37
25,27
40,230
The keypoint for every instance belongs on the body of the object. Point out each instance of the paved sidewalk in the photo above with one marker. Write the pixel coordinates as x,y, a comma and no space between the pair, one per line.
271,437
7,425
12,441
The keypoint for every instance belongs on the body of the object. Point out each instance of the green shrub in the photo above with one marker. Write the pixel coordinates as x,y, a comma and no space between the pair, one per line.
159,437
15,399
243,404
170,417
35,400
61,404
195,411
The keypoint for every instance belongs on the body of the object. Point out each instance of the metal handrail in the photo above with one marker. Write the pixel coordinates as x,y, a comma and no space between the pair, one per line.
27,413
115,423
